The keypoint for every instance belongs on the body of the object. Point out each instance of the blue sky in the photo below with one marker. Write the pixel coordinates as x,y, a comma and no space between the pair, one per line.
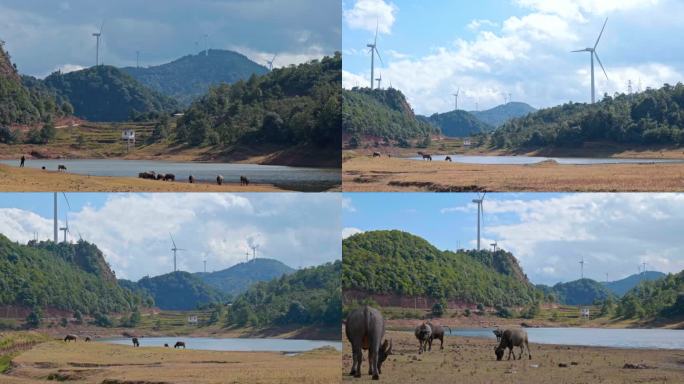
133,229
44,35
549,233
492,48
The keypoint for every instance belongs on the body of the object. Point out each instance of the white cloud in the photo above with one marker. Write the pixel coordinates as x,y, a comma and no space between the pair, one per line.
283,59
369,14
348,205
479,23
350,231
351,80
66,68
577,9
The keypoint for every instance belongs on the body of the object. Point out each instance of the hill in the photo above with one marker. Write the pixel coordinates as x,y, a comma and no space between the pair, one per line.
290,106
395,262
578,292
177,291
652,117
23,101
61,276
620,287
380,114
307,296
239,277
500,114
191,76
105,93
457,123
658,298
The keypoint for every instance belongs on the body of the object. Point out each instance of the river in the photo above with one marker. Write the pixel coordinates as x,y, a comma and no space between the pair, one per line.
523,160
227,344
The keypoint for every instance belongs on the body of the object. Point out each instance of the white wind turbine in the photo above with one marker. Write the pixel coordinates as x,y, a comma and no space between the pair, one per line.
480,215
270,62
592,53
379,80
373,50
455,95
175,249
97,46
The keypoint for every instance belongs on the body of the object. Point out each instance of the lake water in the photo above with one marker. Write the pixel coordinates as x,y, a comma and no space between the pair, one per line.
597,337
288,177
522,160
236,345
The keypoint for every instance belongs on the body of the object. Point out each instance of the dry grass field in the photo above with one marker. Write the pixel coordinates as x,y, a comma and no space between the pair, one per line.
470,360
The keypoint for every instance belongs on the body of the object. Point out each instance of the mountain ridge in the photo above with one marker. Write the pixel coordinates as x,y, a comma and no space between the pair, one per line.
239,277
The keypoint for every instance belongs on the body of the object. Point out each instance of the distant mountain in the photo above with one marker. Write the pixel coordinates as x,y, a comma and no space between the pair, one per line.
457,123
240,277
105,93
178,291
191,76
661,298
578,292
498,115
380,114
620,287
61,276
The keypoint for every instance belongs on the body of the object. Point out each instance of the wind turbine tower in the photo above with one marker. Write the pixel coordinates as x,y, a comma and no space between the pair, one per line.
494,246
97,45
137,59
205,265
379,80
480,213
254,249
455,95
54,224
373,50
206,45
581,263
175,250
592,54
270,62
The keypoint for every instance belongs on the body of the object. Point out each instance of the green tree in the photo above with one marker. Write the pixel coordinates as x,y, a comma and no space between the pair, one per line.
35,318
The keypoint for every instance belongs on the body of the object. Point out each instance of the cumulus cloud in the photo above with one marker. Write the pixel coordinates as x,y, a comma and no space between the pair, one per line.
369,14
350,231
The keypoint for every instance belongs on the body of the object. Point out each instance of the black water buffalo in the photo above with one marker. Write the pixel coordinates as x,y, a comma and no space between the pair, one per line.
498,333
437,334
365,329
160,176
169,177
70,338
448,158
166,345
179,344
427,156
136,343
61,167
244,180
376,154
191,179
219,179
87,339
513,338
147,175
423,333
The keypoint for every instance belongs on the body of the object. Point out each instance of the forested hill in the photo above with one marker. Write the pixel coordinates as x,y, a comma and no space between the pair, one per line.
620,287
177,291
289,106
662,298
308,296
457,123
652,117
105,93
578,292
380,114
22,100
240,277
500,114
191,76
395,262
61,276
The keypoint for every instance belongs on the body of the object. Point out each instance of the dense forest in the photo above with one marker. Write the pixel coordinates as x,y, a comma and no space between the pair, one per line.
652,117
73,277
288,106
403,264
382,114
578,292
307,296
457,123
658,298
177,291
105,93
191,76
24,100
239,277
500,114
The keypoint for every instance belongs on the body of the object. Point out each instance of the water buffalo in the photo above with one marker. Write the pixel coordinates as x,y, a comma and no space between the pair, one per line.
423,333
191,179
427,156
513,338
498,333
219,179
147,175
365,329
61,167
448,158
166,345
87,339
169,177
136,343
376,154
160,176
179,344
244,180
70,338
437,334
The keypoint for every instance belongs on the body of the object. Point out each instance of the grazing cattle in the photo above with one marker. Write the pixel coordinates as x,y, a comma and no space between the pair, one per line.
365,329
136,343
498,333
43,167
191,179
166,345
244,180
437,334
160,176
147,175
169,177
448,158
70,338
513,338
179,344
427,156
87,339
219,179
61,167
376,154
423,333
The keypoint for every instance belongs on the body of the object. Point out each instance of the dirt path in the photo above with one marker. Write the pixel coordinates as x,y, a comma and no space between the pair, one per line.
364,173
470,360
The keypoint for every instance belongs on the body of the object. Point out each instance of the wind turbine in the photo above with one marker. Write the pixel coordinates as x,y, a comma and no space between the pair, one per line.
494,245
373,50
455,95
174,249
97,46
480,215
581,263
270,62
254,249
592,53
379,80
206,45
65,229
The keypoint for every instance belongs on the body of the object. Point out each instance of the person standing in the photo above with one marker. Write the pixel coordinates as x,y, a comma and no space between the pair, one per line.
23,160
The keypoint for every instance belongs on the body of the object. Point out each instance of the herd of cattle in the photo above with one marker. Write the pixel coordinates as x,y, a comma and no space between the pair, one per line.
365,330
136,342
152,175
425,156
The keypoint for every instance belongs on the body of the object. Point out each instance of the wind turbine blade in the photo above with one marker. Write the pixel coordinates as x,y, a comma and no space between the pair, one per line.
379,57
601,34
67,200
601,64
174,243
580,50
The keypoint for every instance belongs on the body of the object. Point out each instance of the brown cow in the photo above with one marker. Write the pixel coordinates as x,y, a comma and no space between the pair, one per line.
70,338
513,338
